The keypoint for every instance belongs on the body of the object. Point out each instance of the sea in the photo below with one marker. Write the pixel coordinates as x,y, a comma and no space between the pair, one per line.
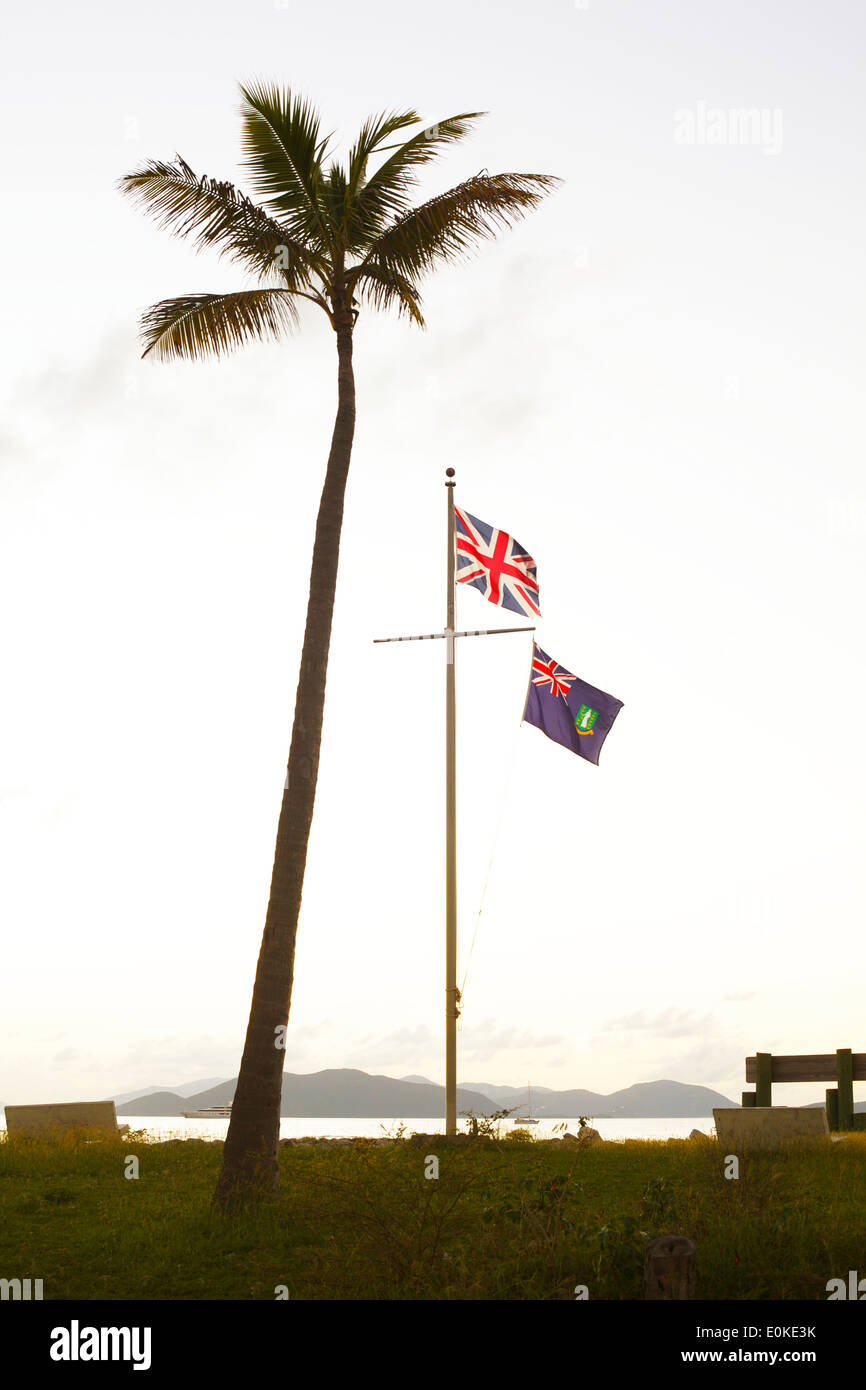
171,1127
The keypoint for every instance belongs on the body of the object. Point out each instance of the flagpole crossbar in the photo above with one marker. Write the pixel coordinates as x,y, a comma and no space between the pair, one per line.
473,632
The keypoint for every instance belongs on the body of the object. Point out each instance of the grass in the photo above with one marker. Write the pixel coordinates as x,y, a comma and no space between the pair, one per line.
504,1220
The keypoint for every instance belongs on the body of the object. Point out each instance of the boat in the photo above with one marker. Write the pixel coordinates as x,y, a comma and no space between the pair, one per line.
523,1120
213,1112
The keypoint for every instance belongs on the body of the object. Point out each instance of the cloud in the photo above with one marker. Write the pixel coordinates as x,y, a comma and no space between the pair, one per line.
182,1056
416,1049
715,1062
69,395
488,1037
667,1023
404,1047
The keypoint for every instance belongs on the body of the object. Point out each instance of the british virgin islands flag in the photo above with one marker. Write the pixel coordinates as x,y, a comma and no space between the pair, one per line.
567,709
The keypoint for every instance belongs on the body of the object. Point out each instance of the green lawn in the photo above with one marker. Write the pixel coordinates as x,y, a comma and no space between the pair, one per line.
504,1220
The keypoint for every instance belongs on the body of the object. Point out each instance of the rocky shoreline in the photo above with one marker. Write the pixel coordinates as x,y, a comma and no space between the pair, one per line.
586,1137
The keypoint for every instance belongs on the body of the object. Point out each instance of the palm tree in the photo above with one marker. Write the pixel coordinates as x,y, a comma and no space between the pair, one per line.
343,238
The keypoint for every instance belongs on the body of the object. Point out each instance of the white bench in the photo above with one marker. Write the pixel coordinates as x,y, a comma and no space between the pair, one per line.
27,1120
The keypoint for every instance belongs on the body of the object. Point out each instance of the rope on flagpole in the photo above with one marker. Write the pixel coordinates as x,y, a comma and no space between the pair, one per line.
505,791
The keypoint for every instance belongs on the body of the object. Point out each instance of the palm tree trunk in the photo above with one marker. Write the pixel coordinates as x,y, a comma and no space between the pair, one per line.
251,1154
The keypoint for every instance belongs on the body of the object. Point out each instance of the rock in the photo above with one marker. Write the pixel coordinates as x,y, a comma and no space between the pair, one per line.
584,1139
698,1134
192,1139
444,1140
586,1136
425,1141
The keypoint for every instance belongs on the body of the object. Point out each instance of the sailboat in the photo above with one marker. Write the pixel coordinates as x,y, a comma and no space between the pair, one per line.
526,1119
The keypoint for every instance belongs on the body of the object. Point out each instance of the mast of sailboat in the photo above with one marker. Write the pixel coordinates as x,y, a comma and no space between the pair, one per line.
452,993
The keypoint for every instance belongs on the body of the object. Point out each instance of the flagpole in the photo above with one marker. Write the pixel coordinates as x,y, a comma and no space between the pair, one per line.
451,991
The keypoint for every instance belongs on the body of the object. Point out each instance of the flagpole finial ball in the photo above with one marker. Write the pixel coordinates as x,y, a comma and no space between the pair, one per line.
449,472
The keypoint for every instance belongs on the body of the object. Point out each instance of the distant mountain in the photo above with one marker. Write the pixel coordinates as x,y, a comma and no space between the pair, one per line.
859,1106
134,1095
188,1088
508,1095
646,1100
325,1095
159,1103
354,1094
425,1081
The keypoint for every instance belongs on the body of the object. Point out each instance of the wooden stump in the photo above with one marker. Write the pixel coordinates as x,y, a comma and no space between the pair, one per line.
670,1268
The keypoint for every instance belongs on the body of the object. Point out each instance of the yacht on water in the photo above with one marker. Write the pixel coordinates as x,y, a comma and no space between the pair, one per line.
213,1112
522,1120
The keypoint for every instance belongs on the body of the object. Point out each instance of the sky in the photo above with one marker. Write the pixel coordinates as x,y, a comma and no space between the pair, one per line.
654,382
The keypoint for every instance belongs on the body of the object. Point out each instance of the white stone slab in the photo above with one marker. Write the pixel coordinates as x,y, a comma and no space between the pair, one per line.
42,1119
770,1126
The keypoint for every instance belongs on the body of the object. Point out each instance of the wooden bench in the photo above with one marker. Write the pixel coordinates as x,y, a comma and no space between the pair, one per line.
844,1067
27,1120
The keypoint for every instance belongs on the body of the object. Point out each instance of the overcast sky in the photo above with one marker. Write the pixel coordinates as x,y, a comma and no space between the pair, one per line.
654,383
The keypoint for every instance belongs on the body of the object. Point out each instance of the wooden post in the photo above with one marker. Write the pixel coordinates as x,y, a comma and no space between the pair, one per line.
763,1078
845,1076
832,1109
669,1272
451,996
748,1099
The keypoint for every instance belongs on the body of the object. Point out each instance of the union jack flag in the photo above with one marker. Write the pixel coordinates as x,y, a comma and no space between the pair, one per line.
497,564
550,675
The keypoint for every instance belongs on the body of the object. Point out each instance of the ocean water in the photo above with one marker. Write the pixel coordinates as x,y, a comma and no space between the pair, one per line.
172,1127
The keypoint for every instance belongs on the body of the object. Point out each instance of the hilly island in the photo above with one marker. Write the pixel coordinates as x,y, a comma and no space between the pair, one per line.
349,1093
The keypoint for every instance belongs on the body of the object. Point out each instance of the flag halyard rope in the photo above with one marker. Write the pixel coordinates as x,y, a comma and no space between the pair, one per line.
506,787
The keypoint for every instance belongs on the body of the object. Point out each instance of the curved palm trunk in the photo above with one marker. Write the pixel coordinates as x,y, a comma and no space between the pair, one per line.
251,1154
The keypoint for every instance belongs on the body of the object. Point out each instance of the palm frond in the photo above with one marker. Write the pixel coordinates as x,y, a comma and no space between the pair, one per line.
385,289
210,325
373,132
284,153
385,195
220,216
335,201
447,227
